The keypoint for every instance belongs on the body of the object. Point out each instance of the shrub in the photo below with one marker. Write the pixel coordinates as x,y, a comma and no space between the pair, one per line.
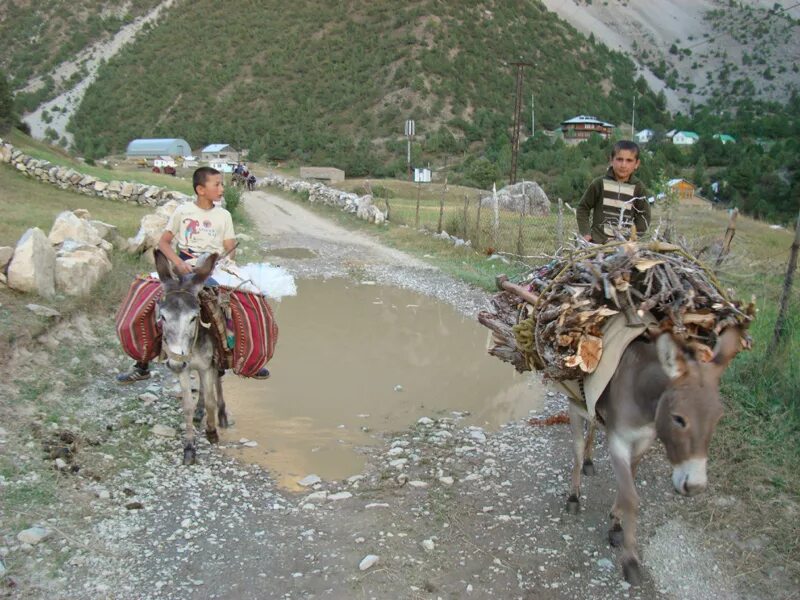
233,197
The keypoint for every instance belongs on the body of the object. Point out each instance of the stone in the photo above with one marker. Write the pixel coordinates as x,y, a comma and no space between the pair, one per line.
61,464
148,397
428,545
317,497
82,213
309,480
42,311
416,483
163,431
32,268
78,272
69,226
150,229
446,480
527,194
6,252
340,496
100,186
370,560
33,536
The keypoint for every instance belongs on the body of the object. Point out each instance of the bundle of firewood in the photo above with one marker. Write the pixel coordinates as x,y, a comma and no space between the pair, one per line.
553,320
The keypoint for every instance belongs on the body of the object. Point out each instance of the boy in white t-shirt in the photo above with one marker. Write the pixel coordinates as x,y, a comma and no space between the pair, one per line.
195,227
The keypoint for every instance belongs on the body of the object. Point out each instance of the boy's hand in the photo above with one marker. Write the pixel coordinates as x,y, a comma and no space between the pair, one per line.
184,268
588,237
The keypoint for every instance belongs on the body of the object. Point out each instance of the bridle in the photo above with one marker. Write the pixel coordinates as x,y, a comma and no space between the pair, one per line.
184,358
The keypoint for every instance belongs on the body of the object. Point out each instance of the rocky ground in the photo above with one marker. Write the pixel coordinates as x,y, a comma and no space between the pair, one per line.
98,505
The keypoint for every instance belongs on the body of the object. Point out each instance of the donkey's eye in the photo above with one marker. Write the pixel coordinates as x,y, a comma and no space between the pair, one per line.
193,319
679,421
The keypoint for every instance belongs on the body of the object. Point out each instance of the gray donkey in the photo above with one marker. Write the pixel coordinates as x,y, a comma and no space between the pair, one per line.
188,344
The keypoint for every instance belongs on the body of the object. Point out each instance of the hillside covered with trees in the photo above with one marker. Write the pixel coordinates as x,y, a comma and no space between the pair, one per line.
334,82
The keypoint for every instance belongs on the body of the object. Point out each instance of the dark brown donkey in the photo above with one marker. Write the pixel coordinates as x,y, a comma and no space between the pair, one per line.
658,390
188,344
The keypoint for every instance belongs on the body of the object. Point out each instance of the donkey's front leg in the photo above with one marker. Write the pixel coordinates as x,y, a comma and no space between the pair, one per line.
626,508
576,420
209,385
190,443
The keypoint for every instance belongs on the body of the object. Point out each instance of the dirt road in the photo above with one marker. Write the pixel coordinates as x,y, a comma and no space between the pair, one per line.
448,511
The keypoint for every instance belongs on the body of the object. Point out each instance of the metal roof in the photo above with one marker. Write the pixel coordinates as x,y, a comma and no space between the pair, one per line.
586,119
215,147
156,145
689,134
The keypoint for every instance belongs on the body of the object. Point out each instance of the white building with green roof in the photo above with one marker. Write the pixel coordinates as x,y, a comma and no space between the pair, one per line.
685,138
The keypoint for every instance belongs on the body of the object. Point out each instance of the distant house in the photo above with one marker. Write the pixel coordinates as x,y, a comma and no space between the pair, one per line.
222,166
331,174
164,161
644,136
685,138
681,188
155,148
222,152
422,175
578,129
724,138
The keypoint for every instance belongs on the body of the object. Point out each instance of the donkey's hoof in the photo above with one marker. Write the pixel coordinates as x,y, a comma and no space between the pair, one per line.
212,436
588,468
573,505
615,536
632,571
189,456
222,418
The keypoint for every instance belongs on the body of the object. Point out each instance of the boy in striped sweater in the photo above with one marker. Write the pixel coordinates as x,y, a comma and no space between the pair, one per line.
615,202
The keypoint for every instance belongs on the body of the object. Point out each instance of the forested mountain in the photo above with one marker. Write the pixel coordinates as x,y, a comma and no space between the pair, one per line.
334,82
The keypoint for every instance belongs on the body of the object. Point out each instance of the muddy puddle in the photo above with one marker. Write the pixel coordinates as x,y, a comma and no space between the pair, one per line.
355,361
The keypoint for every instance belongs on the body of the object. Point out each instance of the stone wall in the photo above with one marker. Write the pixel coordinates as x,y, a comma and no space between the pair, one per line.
72,180
361,206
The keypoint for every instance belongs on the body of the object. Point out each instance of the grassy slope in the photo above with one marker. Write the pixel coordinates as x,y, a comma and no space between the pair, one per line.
297,81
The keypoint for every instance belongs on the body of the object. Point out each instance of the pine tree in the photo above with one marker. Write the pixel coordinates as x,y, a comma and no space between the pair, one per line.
7,117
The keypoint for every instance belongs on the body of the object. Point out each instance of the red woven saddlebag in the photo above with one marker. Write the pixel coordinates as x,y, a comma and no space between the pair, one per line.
255,332
136,326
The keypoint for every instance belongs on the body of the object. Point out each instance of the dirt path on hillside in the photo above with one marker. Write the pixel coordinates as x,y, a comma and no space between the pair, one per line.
90,58
449,511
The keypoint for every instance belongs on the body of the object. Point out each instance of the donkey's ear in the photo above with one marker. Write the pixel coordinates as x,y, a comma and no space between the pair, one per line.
671,356
204,268
728,345
163,267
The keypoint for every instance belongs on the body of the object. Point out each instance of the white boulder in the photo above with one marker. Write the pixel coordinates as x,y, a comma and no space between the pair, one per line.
69,226
32,268
6,252
78,271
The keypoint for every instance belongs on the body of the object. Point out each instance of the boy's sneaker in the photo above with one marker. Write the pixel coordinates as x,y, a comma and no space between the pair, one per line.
263,373
134,375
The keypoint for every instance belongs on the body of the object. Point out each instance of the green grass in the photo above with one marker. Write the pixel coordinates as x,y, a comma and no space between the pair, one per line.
123,172
25,203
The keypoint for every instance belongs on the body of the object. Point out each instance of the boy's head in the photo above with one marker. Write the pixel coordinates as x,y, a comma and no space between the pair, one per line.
207,182
624,159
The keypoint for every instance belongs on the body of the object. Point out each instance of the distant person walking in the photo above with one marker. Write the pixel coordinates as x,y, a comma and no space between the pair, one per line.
615,202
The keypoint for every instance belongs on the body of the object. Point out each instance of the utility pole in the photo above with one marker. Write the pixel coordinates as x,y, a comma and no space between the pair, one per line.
409,131
517,110
533,117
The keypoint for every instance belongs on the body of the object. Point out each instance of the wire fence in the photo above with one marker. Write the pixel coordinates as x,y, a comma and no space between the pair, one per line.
489,227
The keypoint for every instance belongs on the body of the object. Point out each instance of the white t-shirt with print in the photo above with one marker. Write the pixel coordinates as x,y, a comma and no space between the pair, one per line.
201,230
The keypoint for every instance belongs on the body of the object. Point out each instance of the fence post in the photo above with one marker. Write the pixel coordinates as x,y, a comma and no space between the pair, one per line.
478,225
560,224
441,206
496,215
520,247
780,322
416,215
726,241
466,206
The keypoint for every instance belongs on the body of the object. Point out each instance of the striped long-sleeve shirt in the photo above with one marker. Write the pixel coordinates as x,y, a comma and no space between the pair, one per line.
611,202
